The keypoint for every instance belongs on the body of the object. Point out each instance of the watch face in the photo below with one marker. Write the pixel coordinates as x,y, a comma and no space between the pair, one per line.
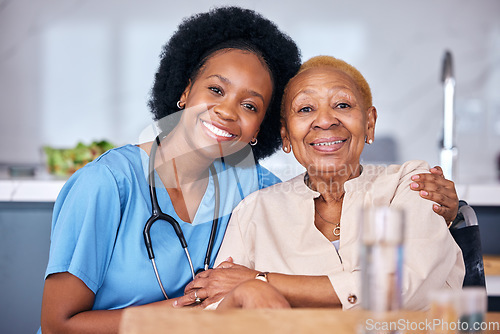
262,277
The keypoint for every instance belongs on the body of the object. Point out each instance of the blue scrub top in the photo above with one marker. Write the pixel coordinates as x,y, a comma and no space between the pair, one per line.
99,218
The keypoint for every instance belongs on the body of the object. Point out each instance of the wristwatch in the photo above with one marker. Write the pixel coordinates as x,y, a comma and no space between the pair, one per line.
262,276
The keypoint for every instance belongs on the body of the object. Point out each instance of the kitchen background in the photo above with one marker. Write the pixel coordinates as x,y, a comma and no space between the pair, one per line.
81,70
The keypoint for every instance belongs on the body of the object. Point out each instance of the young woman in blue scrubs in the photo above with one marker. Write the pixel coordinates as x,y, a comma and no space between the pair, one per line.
225,71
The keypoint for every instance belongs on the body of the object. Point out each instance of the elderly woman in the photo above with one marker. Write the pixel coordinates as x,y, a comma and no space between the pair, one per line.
301,236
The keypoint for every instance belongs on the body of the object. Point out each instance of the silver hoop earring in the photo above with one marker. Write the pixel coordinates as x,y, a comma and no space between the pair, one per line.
253,142
179,105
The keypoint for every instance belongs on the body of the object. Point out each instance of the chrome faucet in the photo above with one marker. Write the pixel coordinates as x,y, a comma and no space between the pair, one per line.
448,150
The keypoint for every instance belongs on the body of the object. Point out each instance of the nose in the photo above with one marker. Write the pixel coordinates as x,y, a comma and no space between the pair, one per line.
326,117
226,111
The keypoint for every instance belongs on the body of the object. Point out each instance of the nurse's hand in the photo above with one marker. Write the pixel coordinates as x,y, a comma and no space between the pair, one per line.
254,294
212,285
436,188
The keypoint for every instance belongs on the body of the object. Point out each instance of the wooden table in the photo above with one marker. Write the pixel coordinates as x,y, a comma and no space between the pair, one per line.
491,265
147,320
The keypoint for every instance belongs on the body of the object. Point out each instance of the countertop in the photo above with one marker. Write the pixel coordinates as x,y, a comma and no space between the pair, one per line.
480,194
44,188
41,187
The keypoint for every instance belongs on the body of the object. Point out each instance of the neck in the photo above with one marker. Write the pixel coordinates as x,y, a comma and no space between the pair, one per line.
184,173
178,165
331,184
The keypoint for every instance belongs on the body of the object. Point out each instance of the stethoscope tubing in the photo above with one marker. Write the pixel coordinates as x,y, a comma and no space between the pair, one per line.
157,214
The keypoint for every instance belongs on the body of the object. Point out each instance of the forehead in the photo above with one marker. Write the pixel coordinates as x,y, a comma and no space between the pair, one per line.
241,58
320,78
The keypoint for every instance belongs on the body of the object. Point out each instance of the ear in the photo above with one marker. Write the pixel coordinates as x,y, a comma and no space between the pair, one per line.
256,133
370,124
186,92
285,137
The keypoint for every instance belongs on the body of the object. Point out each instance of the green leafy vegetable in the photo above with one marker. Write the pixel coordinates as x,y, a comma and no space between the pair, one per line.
64,162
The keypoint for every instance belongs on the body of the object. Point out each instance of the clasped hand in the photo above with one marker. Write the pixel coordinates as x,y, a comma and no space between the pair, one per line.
213,284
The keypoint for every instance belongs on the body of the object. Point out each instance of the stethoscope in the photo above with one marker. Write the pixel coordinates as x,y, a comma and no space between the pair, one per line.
157,214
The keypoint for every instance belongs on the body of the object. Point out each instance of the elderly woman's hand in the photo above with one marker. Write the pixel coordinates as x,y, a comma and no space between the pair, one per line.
436,188
212,285
254,294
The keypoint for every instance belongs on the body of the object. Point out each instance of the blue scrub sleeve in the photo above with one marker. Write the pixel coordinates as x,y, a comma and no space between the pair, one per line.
266,178
85,223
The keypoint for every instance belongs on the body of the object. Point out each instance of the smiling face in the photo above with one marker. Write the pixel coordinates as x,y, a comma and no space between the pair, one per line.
326,121
226,102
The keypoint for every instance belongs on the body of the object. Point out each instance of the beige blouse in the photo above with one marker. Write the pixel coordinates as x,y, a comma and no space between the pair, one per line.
273,230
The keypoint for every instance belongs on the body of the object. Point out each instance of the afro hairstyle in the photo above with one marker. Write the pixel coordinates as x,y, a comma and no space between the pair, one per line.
200,36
